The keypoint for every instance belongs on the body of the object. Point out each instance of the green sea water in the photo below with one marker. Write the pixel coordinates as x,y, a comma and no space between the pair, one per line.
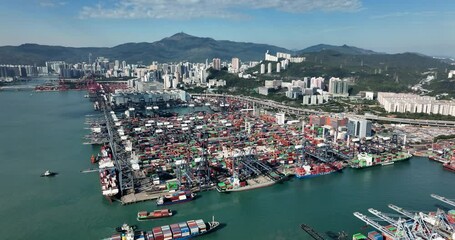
40,131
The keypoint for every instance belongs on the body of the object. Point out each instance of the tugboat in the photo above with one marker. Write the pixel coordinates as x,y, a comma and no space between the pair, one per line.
48,173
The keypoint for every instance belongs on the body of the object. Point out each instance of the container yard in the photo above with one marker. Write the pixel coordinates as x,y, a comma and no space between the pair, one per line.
220,143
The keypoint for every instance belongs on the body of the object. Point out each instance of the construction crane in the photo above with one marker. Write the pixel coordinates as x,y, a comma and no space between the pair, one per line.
378,226
443,199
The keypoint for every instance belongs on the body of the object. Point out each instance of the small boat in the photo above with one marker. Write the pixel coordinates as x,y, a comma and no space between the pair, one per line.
387,163
144,215
48,173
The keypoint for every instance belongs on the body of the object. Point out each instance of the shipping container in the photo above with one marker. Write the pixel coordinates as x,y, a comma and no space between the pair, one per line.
150,235
359,236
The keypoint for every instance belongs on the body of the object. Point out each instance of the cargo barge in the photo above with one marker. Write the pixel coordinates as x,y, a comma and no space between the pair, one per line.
364,160
145,215
177,231
175,197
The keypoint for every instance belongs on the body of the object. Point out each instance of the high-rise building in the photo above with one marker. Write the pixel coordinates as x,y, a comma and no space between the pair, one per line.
316,82
216,64
338,87
359,128
235,65
167,81
269,68
278,67
262,68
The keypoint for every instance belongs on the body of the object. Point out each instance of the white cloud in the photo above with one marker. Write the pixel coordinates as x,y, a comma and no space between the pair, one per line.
188,9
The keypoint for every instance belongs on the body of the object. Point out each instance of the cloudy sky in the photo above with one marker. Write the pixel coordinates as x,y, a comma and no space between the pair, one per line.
425,26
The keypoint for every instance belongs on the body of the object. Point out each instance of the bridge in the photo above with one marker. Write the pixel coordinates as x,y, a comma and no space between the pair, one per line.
302,112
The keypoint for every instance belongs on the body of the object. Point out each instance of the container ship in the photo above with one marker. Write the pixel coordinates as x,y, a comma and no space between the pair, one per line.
175,197
364,160
438,158
105,160
314,170
177,231
109,185
144,215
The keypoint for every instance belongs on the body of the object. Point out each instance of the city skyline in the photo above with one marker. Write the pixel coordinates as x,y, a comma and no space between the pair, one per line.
389,26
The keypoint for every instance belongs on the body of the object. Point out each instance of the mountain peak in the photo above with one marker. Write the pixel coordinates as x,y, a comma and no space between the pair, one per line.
180,36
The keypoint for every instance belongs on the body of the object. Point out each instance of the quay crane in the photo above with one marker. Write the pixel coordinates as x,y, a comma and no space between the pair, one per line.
443,199
422,229
378,226
401,225
428,227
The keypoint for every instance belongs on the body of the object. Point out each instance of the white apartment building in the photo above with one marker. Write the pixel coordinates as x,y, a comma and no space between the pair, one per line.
338,87
403,102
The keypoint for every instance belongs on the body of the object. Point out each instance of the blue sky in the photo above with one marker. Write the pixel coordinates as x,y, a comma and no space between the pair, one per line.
425,26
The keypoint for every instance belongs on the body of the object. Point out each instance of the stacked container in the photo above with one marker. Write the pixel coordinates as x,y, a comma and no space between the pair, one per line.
358,236
201,225
194,229
176,232
184,228
373,235
158,233
166,232
150,235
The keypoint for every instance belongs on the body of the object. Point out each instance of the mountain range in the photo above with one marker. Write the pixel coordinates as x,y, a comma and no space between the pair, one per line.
178,47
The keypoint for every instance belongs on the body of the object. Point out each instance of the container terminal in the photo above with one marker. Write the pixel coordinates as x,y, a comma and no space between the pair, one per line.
227,144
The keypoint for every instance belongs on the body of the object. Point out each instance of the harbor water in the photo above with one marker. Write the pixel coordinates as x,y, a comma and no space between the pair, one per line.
45,130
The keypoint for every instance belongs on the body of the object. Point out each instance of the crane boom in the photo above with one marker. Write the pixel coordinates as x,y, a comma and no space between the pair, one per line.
375,225
443,199
401,211
400,224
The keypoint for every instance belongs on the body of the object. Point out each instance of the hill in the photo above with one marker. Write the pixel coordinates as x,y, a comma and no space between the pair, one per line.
344,49
179,47
374,72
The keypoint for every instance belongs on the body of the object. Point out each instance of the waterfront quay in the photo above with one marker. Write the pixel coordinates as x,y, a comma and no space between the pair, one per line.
229,145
